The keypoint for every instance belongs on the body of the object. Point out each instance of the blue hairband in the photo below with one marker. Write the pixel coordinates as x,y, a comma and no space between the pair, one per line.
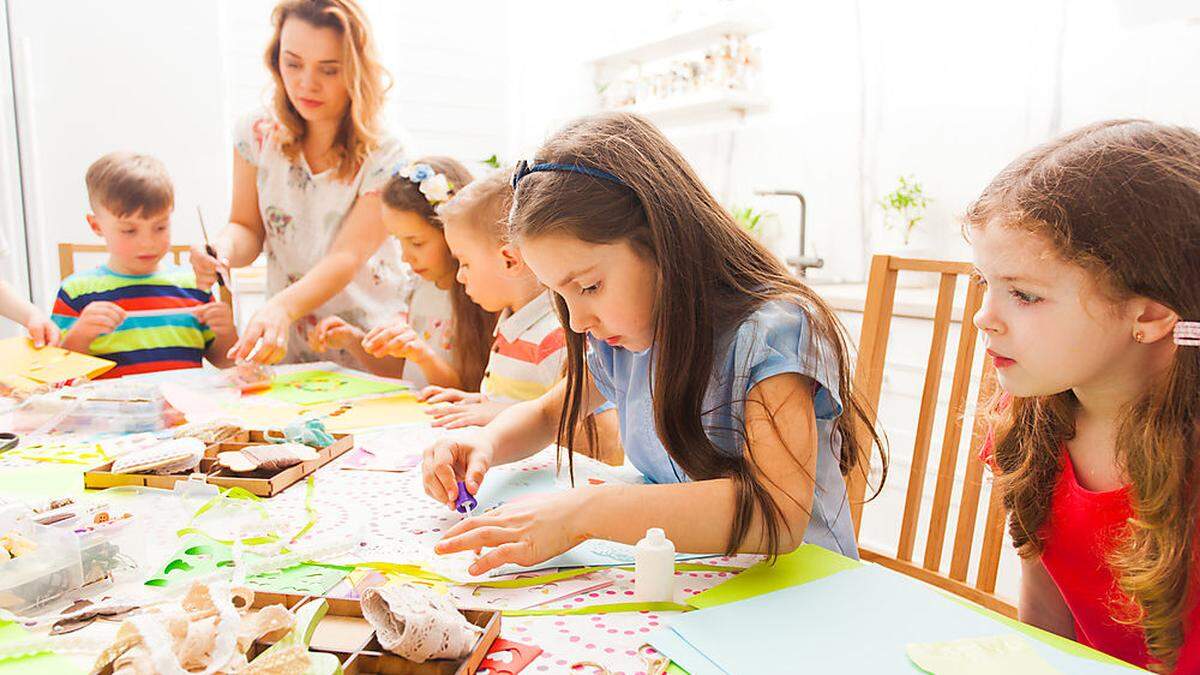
524,168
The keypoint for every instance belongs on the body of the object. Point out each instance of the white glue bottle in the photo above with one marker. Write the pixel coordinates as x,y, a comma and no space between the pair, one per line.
654,568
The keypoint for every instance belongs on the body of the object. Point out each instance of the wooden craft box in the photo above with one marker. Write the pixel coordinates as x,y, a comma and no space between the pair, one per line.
344,633
259,483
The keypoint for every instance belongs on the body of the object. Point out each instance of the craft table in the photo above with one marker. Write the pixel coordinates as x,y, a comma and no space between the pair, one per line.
389,514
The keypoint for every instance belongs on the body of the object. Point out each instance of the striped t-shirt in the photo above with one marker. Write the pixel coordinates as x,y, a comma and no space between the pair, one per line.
160,331
527,356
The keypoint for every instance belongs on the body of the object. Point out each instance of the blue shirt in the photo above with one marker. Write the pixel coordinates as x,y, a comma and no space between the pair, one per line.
774,339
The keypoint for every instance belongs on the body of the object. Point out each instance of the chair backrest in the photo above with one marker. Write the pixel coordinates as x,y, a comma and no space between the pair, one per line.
868,379
66,262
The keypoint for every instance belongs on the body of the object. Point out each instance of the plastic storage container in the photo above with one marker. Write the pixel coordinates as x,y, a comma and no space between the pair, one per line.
35,581
95,408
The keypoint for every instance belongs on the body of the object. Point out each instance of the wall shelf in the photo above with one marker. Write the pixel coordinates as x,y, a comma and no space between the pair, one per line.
700,106
682,39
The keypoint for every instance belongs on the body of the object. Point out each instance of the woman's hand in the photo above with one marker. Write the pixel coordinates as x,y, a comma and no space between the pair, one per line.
333,332
524,532
449,460
265,337
206,267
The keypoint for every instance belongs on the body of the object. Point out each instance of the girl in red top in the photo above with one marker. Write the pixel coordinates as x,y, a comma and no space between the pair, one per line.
1090,249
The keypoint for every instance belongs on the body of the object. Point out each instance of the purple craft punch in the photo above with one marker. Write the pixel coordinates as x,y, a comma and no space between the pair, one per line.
464,503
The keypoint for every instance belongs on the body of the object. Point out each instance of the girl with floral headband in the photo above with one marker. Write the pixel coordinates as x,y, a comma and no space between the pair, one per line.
1089,247
443,338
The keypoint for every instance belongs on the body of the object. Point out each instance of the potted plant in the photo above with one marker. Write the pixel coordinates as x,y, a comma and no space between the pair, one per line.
903,212
904,208
761,224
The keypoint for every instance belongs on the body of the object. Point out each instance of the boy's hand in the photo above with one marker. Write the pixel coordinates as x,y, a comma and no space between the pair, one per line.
333,332
399,340
42,330
218,316
99,318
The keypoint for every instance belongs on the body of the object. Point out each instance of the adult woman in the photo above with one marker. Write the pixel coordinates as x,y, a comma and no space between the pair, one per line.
306,181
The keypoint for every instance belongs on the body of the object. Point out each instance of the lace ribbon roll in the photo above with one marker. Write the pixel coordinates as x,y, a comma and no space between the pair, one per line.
416,624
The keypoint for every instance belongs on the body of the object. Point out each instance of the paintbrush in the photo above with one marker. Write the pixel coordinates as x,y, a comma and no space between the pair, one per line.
208,248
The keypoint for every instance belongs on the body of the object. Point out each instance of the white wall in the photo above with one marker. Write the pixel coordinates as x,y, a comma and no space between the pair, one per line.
92,77
862,92
449,73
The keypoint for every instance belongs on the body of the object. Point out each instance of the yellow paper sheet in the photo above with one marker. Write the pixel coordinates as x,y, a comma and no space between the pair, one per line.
341,417
24,367
997,655
262,415
373,412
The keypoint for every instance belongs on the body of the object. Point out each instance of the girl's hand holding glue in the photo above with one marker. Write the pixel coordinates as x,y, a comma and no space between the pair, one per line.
464,458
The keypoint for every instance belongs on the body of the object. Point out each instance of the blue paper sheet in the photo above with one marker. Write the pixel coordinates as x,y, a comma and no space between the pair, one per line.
856,621
682,654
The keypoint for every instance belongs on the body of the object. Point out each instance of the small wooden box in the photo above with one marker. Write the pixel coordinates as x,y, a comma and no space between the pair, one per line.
266,484
344,633
263,484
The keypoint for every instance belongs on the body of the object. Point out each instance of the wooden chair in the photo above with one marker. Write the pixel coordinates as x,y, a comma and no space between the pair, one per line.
66,262
868,379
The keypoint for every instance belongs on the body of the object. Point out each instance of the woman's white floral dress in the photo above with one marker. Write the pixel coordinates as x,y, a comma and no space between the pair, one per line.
302,213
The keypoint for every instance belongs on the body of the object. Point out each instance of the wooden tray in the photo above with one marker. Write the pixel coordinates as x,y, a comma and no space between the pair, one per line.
344,633
263,484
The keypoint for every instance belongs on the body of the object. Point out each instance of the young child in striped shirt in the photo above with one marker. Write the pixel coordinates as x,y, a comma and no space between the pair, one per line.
528,349
145,317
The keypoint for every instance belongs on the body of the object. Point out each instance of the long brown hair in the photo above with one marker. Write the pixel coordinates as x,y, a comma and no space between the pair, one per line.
1122,200
366,81
717,276
473,325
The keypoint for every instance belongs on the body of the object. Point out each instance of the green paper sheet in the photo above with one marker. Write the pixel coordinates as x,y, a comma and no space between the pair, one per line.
310,387
200,556
307,579
1054,640
807,563
37,664
997,655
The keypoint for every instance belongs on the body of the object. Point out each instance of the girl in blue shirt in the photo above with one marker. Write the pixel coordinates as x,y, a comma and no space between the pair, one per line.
730,376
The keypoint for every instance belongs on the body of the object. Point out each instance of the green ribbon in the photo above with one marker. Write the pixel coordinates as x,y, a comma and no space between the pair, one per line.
242,493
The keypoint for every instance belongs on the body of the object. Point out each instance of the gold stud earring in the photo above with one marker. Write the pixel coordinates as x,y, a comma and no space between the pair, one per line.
1139,335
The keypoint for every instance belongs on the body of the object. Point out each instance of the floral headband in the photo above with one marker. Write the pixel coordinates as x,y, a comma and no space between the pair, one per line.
435,186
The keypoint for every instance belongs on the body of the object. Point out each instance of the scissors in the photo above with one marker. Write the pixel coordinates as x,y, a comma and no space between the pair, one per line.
8,441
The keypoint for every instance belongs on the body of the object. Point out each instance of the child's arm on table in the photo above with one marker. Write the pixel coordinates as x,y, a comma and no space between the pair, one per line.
41,329
782,450
1041,604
